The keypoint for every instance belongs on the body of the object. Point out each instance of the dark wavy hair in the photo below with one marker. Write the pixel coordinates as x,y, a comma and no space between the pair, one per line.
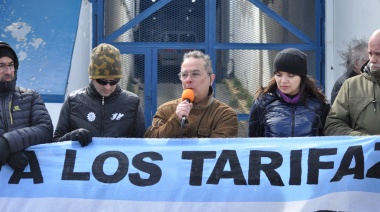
308,88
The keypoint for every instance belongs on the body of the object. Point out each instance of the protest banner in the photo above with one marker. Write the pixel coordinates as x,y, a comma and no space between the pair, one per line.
236,174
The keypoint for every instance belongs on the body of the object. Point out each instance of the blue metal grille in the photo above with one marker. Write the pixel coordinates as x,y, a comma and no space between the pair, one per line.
241,37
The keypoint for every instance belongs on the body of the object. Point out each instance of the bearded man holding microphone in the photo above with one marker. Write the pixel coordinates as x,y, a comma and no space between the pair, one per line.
197,114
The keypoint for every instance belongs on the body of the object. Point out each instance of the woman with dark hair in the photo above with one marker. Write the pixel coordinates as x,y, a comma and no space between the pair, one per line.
291,105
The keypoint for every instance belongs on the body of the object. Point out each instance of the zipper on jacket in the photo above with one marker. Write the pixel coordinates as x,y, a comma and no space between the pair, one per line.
374,105
4,114
102,118
10,111
374,98
293,118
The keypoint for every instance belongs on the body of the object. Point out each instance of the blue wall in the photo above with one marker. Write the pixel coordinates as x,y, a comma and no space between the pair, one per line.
43,34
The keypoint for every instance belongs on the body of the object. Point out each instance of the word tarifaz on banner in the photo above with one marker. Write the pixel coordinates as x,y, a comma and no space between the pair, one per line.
272,174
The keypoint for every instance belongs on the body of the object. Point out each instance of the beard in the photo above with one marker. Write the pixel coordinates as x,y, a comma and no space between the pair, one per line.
7,83
374,67
375,70
7,86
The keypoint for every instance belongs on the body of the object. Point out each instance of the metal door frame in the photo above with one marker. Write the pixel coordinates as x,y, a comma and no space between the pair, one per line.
150,49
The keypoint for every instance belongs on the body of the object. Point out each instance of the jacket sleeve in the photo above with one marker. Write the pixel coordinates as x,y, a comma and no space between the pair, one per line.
338,120
62,131
40,130
140,126
164,125
254,120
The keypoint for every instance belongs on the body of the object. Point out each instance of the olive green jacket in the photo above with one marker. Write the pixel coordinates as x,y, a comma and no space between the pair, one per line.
356,110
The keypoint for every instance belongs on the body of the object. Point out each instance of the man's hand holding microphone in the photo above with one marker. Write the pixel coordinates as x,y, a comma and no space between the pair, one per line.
183,108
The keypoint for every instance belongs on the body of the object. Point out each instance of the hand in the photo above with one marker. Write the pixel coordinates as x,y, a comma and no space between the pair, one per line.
183,109
4,150
18,161
82,135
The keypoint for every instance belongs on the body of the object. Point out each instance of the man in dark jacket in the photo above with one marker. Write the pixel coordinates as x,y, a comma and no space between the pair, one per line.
354,58
102,109
24,119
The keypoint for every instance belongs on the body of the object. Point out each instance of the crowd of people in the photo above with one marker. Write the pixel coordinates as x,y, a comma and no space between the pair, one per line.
290,105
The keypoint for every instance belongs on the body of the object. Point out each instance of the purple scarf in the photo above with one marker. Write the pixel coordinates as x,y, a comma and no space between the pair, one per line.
288,99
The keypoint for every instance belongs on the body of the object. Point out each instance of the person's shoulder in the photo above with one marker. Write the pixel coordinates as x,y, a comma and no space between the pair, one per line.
341,79
22,90
269,95
77,92
357,79
219,105
171,103
26,93
129,94
266,99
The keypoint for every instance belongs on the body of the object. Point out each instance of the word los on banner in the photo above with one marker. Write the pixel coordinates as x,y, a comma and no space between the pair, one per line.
226,159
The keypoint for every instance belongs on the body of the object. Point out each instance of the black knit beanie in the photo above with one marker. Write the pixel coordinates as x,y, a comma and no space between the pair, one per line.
291,60
6,50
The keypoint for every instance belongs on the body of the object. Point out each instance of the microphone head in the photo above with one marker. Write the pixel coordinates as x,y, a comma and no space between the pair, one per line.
188,94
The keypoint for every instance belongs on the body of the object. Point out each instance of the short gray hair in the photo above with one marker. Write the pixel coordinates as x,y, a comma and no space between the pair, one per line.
199,54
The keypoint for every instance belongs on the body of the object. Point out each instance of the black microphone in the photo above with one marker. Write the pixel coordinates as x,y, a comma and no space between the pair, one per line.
188,95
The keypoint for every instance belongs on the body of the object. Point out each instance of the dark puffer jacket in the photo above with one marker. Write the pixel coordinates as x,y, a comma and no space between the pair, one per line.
24,119
118,115
271,116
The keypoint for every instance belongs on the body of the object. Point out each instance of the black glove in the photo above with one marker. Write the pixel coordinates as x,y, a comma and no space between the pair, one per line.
4,150
18,161
82,135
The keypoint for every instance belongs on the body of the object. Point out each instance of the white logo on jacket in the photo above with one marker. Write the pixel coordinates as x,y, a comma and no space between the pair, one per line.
117,116
91,116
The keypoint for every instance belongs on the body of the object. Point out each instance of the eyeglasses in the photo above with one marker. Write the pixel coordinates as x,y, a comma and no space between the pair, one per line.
10,66
105,82
194,75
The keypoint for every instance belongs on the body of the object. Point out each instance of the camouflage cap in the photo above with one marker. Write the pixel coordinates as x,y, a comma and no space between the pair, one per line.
105,62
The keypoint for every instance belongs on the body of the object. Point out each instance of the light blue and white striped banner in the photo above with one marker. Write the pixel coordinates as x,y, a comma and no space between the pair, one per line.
240,174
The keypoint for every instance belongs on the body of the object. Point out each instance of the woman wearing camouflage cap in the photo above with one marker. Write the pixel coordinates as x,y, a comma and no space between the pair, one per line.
102,109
